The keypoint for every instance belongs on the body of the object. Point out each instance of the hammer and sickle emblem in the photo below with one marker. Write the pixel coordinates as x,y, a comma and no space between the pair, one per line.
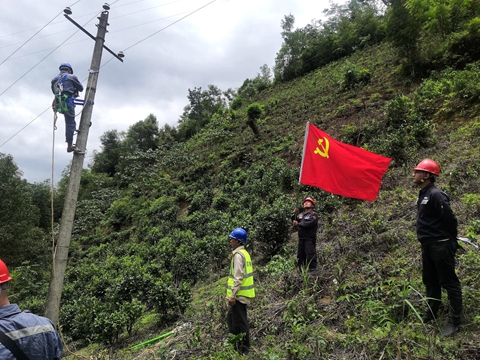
324,151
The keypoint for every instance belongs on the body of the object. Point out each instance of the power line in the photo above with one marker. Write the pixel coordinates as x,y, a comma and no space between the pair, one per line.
34,35
8,57
200,8
27,73
80,16
131,13
112,32
21,77
138,42
11,137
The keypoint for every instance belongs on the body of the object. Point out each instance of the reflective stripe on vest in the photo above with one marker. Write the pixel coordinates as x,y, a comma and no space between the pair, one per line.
29,331
246,288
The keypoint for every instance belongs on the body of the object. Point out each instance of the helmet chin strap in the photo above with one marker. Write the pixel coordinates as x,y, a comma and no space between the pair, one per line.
423,180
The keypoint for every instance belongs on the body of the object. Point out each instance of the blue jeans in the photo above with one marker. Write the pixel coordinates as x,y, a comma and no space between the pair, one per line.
70,124
439,271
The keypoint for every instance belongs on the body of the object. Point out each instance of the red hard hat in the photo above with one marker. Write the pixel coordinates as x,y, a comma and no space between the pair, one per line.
4,275
429,166
309,199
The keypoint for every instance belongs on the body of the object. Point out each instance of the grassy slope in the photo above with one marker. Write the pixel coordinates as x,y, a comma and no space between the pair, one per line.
362,301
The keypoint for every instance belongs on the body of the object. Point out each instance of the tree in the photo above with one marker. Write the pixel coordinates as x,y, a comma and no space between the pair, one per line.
288,61
143,135
202,106
41,195
20,238
254,112
107,160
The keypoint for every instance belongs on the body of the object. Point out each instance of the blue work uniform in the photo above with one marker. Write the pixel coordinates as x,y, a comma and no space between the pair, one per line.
70,85
35,335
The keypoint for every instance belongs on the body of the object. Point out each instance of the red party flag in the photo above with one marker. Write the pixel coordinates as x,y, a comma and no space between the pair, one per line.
340,168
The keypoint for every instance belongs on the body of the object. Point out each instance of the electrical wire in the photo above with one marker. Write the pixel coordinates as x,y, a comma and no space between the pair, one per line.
135,12
138,42
25,43
11,137
112,32
80,16
131,46
21,77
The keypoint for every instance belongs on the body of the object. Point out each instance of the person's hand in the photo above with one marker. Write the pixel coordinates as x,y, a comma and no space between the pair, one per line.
295,211
295,222
232,301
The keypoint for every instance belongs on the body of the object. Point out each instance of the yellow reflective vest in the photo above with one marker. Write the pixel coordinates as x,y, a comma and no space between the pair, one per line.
246,288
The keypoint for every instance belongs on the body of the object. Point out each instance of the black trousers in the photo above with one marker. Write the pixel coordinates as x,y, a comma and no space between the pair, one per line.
238,323
307,254
439,271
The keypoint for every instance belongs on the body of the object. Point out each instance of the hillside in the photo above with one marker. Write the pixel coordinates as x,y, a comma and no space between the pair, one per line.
176,206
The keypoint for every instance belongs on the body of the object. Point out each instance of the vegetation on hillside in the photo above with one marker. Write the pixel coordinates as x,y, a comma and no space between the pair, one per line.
149,246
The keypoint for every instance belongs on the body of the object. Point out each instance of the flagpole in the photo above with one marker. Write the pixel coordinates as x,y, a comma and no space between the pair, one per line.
303,152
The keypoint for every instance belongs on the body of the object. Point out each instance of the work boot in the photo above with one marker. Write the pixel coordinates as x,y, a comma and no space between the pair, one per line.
70,148
450,329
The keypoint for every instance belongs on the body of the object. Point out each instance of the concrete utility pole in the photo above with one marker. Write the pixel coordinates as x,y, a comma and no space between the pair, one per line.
52,307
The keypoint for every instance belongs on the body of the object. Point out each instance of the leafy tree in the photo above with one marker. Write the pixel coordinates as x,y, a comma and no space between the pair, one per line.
20,238
288,61
350,27
203,105
403,30
254,112
143,135
41,195
107,160
251,87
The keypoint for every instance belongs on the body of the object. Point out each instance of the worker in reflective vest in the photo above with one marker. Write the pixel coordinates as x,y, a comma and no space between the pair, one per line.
22,333
240,290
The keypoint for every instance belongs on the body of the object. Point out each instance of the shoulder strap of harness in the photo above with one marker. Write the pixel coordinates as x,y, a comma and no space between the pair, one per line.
12,346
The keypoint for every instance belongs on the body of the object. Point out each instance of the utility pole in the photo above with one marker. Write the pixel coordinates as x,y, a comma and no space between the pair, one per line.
52,307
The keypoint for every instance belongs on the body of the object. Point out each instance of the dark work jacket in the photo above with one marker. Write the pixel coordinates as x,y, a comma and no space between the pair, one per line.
35,335
435,219
70,84
307,225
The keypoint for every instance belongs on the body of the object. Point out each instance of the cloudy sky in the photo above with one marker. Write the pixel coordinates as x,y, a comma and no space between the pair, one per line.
222,44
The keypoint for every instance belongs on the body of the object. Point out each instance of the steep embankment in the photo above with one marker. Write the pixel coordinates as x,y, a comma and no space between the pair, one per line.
172,220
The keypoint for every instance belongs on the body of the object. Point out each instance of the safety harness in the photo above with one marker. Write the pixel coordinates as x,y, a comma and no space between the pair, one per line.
60,104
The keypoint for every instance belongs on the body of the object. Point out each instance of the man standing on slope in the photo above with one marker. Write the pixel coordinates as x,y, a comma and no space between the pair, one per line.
240,289
437,233
307,223
66,87
23,335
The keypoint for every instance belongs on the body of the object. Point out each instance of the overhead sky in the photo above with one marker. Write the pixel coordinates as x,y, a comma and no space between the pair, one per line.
223,43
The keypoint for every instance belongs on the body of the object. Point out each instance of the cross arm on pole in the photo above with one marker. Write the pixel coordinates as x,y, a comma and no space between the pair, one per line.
90,35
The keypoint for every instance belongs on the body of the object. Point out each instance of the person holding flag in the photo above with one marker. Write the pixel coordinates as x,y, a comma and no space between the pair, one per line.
307,223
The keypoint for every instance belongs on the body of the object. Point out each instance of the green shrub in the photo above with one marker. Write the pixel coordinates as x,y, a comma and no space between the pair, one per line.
272,226
237,103
355,77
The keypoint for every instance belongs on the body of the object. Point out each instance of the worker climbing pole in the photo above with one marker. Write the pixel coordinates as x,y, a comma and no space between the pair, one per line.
66,86
52,306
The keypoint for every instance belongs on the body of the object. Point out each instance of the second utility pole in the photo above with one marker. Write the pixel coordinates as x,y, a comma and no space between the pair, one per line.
52,306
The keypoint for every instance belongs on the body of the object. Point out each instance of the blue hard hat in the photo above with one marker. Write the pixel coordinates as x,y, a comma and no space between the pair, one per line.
239,234
65,65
